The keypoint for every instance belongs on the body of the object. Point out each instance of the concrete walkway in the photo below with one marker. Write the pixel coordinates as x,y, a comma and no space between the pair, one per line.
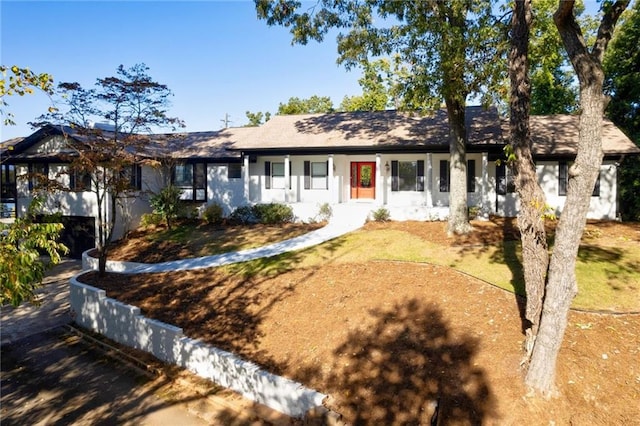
345,219
27,319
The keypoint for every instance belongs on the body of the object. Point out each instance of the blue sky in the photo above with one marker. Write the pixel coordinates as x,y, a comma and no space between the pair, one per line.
215,56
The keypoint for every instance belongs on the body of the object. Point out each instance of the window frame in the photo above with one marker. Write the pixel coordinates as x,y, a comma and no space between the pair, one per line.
505,181
563,180
134,175
445,176
312,179
80,181
33,180
234,171
198,178
268,176
416,182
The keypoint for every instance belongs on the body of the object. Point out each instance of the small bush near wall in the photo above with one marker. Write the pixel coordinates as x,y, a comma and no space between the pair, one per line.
381,215
324,212
213,214
270,214
151,219
243,215
474,212
274,213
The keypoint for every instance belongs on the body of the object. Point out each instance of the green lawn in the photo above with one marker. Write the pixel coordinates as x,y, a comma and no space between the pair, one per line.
608,277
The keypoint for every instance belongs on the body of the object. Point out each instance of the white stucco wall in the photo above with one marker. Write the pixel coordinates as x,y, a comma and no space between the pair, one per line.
228,193
602,206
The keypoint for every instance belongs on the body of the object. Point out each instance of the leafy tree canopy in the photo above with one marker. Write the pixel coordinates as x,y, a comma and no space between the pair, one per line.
313,105
130,105
622,84
257,118
380,87
21,264
21,81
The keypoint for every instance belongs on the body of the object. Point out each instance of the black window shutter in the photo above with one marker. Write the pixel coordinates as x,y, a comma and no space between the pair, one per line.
420,182
444,176
501,179
72,180
307,174
562,177
395,181
139,177
471,175
596,188
267,174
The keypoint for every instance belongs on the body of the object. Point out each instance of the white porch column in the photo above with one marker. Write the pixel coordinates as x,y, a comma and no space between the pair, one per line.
429,180
331,184
486,203
287,177
245,178
379,181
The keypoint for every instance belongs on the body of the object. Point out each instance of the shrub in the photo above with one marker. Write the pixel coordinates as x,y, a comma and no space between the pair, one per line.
324,212
166,203
151,219
213,214
474,212
273,213
243,215
381,215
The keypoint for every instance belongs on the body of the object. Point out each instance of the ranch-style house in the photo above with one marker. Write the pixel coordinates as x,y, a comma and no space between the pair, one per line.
391,159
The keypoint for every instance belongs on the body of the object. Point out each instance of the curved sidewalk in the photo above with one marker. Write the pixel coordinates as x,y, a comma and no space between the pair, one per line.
347,220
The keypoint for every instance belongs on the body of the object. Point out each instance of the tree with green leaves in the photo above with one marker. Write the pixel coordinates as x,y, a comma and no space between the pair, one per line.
257,118
22,266
622,85
561,284
450,50
133,106
380,87
552,88
313,105
21,81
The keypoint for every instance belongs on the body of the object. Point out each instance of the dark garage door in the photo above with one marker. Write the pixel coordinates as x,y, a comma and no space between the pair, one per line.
78,234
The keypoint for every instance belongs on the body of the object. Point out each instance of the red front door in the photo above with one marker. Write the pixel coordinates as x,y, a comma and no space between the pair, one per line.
363,180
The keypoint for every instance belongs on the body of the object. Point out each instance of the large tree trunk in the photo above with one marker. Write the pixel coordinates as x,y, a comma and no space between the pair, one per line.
561,284
458,209
535,254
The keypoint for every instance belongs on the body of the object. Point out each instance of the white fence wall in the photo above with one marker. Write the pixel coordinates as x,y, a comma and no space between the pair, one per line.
123,323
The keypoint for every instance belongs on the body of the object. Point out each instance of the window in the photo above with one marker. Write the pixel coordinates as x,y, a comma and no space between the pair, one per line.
407,175
8,179
192,179
316,175
79,181
444,176
274,175
134,174
471,175
563,180
38,175
563,177
234,171
504,180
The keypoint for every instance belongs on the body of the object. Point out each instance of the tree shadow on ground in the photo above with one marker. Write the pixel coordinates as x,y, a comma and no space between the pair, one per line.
56,378
409,368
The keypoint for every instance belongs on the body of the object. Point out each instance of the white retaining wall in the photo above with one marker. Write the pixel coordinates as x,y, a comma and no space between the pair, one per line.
124,324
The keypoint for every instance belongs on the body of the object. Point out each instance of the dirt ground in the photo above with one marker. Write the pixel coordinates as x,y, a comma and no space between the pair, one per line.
386,340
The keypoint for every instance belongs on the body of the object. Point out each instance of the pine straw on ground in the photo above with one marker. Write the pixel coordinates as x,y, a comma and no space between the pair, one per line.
386,339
